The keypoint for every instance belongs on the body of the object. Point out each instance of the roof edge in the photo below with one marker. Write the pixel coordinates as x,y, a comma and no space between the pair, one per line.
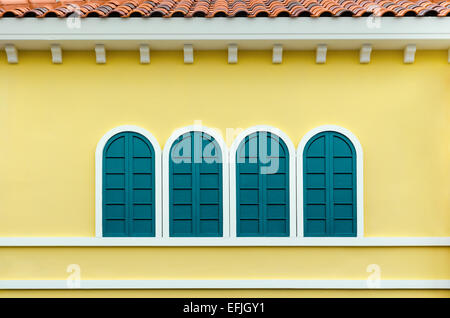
206,34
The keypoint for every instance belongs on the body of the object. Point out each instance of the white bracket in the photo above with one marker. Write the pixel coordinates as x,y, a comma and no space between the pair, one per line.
232,53
11,54
364,54
188,54
321,53
144,51
100,54
409,54
277,54
56,53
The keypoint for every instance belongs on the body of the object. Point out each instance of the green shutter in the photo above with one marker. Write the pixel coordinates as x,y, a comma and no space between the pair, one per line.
329,181
195,186
262,193
128,186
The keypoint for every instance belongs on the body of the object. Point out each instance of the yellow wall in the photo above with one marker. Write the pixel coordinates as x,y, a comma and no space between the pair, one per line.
52,116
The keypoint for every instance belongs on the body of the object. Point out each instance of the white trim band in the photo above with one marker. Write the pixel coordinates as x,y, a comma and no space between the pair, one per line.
224,241
225,284
246,33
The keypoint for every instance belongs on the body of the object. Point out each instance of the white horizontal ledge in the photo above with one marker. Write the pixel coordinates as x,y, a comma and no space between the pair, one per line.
241,241
225,284
218,33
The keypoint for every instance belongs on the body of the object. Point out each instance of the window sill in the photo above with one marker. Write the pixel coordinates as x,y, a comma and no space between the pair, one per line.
208,241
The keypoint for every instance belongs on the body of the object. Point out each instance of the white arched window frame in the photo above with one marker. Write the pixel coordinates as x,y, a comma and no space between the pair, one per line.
99,176
359,177
292,178
225,178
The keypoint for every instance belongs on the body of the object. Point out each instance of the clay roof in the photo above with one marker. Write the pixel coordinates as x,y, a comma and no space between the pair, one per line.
223,8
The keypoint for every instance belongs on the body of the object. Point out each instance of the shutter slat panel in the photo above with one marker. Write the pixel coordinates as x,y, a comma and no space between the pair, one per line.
114,174
344,193
182,188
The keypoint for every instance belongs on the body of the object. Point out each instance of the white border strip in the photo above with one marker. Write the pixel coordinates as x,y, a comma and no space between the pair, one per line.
227,29
225,284
247,33
223,241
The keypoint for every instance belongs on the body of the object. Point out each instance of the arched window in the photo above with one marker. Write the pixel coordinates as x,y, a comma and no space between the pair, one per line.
263,183
329,178
197,194
128,184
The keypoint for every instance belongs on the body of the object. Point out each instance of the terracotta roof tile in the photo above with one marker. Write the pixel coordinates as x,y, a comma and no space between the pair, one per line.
223,8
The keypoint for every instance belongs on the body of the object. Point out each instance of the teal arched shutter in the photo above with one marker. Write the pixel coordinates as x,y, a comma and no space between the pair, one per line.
195,186
262,186
329,185
128,186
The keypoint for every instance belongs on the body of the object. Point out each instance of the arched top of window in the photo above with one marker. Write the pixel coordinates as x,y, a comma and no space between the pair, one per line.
209,149
140,145
128,200
185,132
342,146
249,136
343,131
271,145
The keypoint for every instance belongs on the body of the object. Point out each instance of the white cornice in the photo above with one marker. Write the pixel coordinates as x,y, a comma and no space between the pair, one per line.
217,33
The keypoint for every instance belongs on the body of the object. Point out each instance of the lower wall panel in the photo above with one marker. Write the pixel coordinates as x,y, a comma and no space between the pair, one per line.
224,263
